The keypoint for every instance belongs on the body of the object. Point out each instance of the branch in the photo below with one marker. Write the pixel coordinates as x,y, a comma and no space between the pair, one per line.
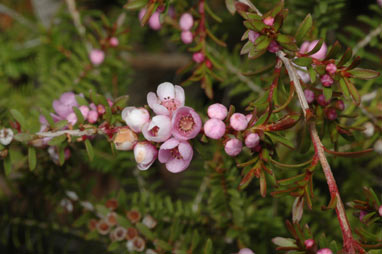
367,39
79,133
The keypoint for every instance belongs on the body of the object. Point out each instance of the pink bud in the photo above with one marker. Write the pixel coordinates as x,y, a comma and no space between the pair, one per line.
238,122
186,21
269,21
331,114
233,147
218,111
252,36
380,210
161,8
186,37
319,54
110,102
309,243
145,154
324,251
309,95
198,57
84,111
125,139
252,140
331,68
214,128
245,251
154,21
362,214
326,80
321,100
209,64
113,41
101,109
135,118
96,56
92,116
340,105
72,118
249,118
273,47
141,14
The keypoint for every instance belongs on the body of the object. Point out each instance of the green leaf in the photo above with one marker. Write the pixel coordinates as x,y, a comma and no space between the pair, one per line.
81,100
89,149
328,91
363,73
208,249
230,4
262,43
23,137
345,58
19,118
47,116
344,87
144,230
195,240
103,210
312,74
163,245
80,117
61,124
279,6
303,28
291,180
113,246
7,165
32,159
303,61
285,39
212,14
284,242
276,138
57,140
135,4
316,48
334,51
353,91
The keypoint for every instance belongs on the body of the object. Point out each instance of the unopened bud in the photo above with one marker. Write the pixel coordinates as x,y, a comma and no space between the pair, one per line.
135,118
245,251
369,129
269,21
6,136
331,68
309,243
238,122
97,56
114,41
186,21
309,95
125,139
134,216
252,36
218,111
92,116
186,37
380,210
111,219
214,128
112,204
198,57
324,251
331,114
378,146
326,80
233,147
252,140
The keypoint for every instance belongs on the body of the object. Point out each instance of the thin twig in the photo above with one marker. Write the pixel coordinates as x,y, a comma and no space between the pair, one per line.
141,181
17,16
199,195
52,134
367,39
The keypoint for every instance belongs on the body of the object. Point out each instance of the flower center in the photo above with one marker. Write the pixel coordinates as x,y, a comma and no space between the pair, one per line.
154,131
186,123
176,154
170,104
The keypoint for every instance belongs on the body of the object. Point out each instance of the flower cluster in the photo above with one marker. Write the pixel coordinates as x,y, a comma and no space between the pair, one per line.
170,128
331,106
215,128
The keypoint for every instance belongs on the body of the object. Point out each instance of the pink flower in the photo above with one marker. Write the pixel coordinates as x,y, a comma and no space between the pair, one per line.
252,36
72,118
186,21
321,100
176,155
233,147
269,21
158,129
218,111
331,114
238,122
245,251
214,128
145,154
324,251
273,47
309,95
380,210
309,243
113,41
92,116
331,68
6,136
198,57
96,56
308,46
125,139
101,109
186,37
252,140
186,123
326,80
64,105
84,111
135,118
169,98
302,72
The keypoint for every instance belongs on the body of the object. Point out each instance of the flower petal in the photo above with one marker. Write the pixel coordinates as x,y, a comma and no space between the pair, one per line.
166,91
154,104
179,95
177,166
170,144
164,155
185,150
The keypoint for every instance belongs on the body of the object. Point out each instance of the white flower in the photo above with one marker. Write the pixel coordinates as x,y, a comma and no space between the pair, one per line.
158,129
135,118
6,136
167,99
145,154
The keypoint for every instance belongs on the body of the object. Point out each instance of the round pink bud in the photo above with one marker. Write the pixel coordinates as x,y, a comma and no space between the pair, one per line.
326,80
186,37
321,100
218,111
309,243
84,111
269,21
92,116
245,251
101,109
273,47
186,21
72,118
380,210
324,251
331,68
252,36
214,128
362,214
154,21
249,118
309,95
114,41
331,114
96,56
233,147
198,57
252,140
238,122
340,105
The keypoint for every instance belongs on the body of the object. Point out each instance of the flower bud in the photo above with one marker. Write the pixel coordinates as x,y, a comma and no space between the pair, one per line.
135,118
309,243
186,21
273,47
149,221
252,36
340,105
245,251
125,139
186,37
378,146
84,111
233,147
6,136
252,140
331,68
331,114
72,118
101,109
145,154
309,95
96,56
238,122
321,100
362,214
326,80
324,251
209,64
320,54
214,128
369,129
134,216
111,219
131,233
112,204
198,57
154,21
380,210
113,41
217,111
269,21
92,116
